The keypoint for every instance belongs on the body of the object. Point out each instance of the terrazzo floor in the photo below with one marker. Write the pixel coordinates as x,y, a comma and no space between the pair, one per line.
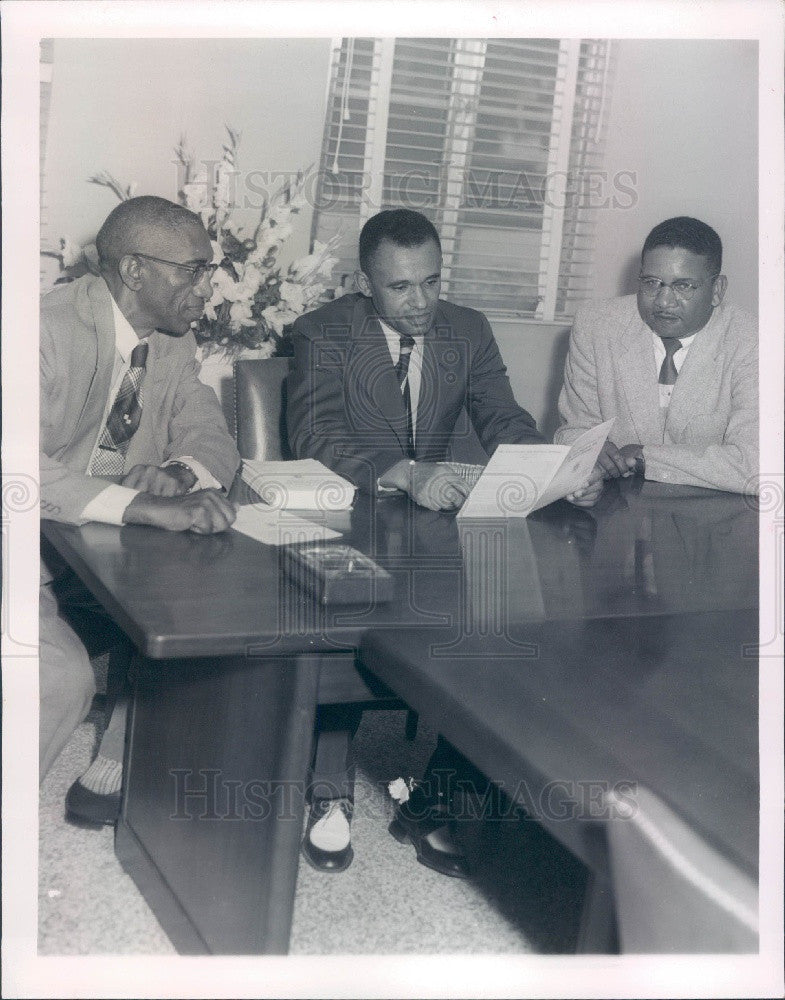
524,897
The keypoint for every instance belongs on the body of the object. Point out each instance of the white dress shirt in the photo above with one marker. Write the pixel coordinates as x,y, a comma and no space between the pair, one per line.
666,391
414,374
110,504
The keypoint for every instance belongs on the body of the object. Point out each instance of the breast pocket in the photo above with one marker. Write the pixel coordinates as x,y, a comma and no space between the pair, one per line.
705,429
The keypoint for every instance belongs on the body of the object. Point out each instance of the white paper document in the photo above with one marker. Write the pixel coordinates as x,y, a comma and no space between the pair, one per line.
299,485
521,478
279,527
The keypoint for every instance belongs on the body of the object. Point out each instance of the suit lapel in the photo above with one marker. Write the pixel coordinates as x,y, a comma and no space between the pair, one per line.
699,374
94,306
636,365
374,388
445,367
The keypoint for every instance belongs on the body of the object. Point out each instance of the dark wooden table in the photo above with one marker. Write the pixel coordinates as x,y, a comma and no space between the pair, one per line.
234,659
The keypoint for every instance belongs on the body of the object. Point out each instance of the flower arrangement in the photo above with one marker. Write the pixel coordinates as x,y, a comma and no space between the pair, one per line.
253,305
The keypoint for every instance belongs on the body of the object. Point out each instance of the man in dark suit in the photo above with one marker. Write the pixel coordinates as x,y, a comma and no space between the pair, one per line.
380,382
352,407
129,435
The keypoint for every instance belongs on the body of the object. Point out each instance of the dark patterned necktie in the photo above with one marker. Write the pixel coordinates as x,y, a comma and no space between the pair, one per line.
123,419
668,373
402,374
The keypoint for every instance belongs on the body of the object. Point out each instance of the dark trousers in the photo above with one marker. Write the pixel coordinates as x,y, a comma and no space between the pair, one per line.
332,764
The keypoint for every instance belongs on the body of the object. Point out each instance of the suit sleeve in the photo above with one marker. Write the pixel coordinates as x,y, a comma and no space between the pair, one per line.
579,401
197,427
731,464
317,421
496,417
64,493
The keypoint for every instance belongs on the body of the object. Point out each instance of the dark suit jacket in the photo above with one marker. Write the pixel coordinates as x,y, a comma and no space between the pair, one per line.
345,406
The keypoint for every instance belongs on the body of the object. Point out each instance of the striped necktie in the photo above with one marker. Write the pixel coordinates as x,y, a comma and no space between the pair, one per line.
123,419
402,374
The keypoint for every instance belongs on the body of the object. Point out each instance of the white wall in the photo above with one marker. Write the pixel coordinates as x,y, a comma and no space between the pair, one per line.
683,118
122,105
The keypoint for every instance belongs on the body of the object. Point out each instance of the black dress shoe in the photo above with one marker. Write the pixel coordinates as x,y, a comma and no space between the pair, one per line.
86,808
326,861
432,836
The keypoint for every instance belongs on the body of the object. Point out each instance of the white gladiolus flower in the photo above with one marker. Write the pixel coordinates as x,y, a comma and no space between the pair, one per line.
302,267
197,193
273,318
265,241
292,295
251,280
226,286
280,214
327,265
72,253
240,315
223,196
266,349
282,232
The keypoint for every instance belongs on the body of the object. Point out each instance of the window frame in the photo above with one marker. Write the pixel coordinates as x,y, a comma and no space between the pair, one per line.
561,150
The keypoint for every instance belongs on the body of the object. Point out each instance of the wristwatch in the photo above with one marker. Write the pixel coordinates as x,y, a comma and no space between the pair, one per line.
181,465
640,464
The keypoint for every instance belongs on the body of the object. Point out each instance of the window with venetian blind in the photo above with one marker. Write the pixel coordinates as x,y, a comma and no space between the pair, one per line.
497,141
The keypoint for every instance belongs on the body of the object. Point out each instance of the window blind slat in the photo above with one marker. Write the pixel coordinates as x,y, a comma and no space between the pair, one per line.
467,141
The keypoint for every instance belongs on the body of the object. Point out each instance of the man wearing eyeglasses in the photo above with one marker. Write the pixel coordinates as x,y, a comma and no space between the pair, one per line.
129,435
675,367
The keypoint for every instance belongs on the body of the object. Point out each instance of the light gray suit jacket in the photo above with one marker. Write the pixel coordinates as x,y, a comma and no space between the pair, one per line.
709,434
180,415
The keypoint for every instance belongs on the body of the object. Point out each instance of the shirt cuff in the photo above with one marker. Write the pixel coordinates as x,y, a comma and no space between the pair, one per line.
204,480
110,504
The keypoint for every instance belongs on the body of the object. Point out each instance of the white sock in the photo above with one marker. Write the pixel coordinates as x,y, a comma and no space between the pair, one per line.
332,832
103,776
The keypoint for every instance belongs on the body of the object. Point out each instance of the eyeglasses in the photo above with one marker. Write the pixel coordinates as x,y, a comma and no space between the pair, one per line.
198,271
682,289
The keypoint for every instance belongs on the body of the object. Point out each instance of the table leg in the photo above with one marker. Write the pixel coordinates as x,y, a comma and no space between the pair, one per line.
597,931
215,768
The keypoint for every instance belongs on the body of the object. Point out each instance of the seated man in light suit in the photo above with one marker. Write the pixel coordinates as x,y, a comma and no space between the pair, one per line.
676,369
379,383
129,435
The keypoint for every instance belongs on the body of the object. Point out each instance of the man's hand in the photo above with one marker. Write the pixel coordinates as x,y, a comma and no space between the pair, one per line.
204,512
428,484
633,453
160,480
588,495
614,461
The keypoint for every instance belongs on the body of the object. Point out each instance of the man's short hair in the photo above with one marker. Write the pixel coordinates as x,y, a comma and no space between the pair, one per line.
687,234
126,225
401,226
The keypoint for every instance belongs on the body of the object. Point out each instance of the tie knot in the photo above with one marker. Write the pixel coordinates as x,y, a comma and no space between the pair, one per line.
671,345
139,355
407,343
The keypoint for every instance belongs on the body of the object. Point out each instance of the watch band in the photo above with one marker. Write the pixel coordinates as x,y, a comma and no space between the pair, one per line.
182,465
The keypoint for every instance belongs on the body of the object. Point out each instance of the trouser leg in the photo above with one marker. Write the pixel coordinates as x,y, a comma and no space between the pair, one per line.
66,680
100,634
113,740
332,768
443,771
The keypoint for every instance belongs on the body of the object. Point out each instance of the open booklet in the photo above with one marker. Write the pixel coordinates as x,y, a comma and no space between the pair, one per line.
279,527
521,478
